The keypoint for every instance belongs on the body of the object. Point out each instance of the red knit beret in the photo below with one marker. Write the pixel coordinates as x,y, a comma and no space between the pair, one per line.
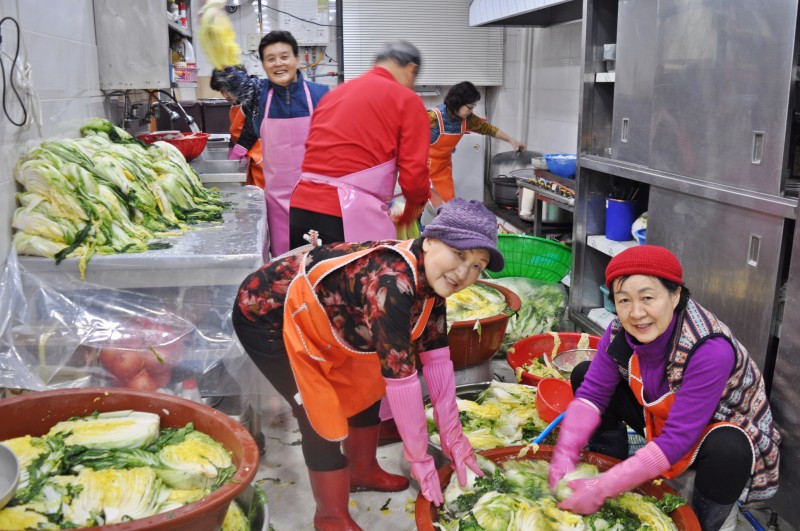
649,260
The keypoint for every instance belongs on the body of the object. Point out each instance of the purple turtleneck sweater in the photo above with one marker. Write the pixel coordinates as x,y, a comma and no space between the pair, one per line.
696,400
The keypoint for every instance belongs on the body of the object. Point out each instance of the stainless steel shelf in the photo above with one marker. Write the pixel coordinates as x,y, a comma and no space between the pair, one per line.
180,29
769,204
583,322
560,201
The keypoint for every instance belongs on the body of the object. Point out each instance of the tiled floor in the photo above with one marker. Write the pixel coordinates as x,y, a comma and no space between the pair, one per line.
284,478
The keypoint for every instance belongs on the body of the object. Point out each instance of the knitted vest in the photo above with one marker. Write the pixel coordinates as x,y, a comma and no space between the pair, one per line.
744,400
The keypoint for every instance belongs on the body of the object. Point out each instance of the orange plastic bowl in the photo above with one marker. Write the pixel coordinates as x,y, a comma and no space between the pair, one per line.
526,350
190,145
553,395
426,513
467,346
35,413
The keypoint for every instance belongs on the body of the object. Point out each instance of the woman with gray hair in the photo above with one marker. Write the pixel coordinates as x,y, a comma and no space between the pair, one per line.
363,134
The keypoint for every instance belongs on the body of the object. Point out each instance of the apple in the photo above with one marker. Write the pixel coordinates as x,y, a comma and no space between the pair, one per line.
124,363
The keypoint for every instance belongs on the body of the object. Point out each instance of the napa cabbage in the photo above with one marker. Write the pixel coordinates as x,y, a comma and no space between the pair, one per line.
117,429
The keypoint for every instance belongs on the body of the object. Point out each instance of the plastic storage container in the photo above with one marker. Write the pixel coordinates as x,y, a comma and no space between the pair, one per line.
216,116
608,304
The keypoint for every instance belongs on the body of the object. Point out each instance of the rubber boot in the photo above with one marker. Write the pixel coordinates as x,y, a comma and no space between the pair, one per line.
613,442
365,472
388,433
332,494
710,513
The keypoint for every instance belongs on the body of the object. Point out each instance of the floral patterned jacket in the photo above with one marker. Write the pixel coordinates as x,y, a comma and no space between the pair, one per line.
371,302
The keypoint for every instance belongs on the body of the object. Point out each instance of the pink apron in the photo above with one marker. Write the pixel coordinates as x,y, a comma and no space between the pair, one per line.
284,145
364,197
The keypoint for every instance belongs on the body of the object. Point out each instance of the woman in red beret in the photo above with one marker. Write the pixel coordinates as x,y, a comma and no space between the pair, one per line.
670,370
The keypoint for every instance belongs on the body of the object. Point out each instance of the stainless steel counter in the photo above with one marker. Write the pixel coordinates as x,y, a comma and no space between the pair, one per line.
208,254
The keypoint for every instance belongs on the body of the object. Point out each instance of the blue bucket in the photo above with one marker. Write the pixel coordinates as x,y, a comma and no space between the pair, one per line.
620,216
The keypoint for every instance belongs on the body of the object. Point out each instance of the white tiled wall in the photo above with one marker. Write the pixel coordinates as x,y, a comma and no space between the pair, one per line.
58,41
552,88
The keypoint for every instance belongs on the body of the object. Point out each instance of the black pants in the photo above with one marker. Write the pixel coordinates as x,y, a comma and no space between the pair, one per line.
330,228
722,465
269,355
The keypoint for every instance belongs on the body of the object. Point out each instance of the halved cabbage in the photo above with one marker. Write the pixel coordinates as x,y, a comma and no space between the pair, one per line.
112,496
115,429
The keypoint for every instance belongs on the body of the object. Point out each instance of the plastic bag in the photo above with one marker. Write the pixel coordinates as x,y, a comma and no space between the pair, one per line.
543,306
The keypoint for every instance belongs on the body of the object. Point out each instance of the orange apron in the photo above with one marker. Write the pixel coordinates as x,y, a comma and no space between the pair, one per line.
655,415
335,381
440,158
255,175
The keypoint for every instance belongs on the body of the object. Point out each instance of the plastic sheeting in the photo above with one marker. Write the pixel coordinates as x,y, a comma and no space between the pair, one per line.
165,311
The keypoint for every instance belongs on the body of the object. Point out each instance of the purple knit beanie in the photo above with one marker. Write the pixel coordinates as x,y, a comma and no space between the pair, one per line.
464,225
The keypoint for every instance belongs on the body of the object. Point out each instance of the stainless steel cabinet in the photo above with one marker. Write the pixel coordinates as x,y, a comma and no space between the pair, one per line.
731,258
785,395
133,44
633,91
723,87
721,90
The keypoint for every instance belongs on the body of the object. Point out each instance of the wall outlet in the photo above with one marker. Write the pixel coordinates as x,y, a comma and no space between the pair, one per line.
252,42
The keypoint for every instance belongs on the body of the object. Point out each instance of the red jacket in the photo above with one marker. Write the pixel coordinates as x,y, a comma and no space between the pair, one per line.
361,124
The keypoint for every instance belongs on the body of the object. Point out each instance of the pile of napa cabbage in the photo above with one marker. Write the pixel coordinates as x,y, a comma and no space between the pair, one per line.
504,414
105,193
515,496
112,467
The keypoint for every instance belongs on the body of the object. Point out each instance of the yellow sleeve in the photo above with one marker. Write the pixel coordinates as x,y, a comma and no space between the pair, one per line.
479,125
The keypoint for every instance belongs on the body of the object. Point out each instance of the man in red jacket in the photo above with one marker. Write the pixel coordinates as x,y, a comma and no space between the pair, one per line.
365,135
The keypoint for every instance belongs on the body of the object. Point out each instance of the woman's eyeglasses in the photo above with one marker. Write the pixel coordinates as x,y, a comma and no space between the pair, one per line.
471,106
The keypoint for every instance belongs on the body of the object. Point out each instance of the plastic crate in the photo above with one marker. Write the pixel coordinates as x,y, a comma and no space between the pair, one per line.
184,74
608,304
533,257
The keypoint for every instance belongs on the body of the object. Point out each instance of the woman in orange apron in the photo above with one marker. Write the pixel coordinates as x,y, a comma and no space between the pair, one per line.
336,327
675,374
244,142
449,122
240,136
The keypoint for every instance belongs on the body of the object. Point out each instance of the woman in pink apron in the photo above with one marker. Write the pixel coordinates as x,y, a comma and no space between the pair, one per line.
282,116
367,135
674,373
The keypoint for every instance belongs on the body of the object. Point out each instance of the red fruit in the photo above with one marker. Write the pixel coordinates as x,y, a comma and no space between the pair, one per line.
121,362
162,379
142,382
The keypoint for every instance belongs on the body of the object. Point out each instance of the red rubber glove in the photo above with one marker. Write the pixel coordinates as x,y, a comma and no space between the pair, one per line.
437,368
588,495
405,399
578,425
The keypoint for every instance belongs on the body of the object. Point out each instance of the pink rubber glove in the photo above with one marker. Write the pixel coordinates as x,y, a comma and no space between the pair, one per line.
588,495
405,399
578,425
441,381
237,152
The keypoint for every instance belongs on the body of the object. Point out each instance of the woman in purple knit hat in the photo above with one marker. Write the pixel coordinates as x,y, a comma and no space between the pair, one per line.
674,373
337,327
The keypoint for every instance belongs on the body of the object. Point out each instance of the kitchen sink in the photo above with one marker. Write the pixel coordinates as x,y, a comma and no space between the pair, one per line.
203,165
216,150
219,172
